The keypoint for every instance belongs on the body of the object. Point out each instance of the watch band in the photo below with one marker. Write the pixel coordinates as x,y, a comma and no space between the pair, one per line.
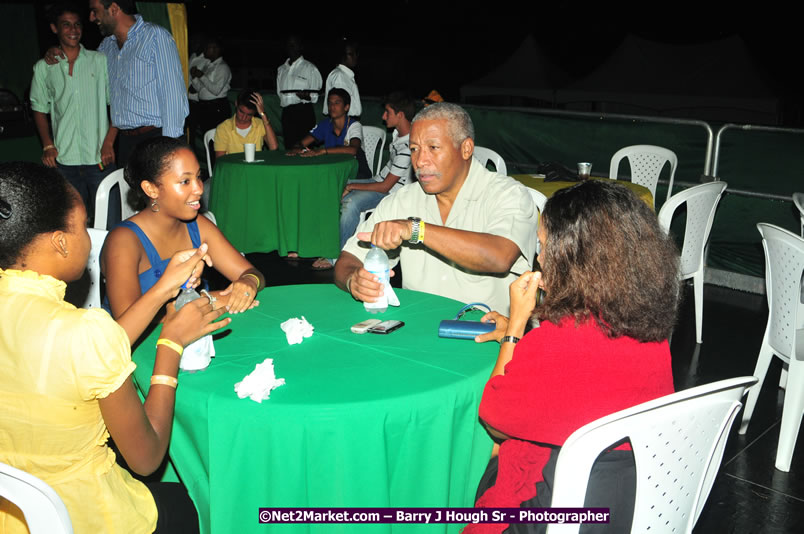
509,339
415,236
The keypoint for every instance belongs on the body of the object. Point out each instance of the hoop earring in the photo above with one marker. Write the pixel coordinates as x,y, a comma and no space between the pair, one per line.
154,205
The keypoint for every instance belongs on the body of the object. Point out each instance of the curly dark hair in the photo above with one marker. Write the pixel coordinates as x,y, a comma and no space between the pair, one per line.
149,160
606,258
34,200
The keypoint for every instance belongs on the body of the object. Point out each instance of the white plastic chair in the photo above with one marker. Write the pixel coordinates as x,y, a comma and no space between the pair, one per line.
647,162
784,334
798,200
701,203
209,136
373,145
42,507
102,199
97,237
540,200
484,155
678,443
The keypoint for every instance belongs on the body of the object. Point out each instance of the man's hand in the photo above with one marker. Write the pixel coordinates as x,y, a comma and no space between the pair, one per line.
49,156
256,99
53,54
364,286
195,72
388,235
107,154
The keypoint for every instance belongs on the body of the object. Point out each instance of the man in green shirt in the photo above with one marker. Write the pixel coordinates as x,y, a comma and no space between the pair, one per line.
75,93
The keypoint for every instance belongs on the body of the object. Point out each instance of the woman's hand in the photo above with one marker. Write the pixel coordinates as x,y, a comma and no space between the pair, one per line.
239,296
193,321
501,322
184,266
523,294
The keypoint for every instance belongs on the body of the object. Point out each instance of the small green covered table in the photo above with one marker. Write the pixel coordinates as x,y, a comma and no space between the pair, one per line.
362,421
283,203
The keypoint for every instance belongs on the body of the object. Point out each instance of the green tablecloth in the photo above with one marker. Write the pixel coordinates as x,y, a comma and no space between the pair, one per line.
284,203
548,188
363,420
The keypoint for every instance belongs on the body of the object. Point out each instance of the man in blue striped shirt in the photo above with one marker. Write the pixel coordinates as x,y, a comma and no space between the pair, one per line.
146,83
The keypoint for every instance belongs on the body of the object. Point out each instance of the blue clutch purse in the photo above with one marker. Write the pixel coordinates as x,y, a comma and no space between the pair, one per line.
457,329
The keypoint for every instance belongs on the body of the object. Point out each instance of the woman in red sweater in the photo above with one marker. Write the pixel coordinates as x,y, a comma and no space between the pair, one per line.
610,276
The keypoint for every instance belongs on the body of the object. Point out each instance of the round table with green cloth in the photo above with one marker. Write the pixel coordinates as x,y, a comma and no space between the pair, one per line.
363,420
549,188
279,202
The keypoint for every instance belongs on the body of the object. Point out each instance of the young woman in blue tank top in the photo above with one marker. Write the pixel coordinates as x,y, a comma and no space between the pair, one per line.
165,176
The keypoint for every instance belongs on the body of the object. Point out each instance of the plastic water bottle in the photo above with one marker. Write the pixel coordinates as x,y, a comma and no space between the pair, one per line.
377,264
188,294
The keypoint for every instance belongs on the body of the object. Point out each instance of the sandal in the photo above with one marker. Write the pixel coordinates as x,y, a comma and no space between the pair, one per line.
322,264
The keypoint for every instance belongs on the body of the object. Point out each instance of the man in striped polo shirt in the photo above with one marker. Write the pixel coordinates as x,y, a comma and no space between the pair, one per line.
75,93
146,83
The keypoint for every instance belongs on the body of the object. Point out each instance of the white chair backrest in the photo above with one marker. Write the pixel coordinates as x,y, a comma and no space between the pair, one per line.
209,136
798,200
484,155
701,202
44,510
373,145
784,265
678,443
97,237
102,199
647,162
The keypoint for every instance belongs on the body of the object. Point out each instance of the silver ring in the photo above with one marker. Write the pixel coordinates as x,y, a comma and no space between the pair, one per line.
210,297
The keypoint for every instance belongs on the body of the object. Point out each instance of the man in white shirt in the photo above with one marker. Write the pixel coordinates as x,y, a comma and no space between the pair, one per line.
343,77
462,231
212,81
297,84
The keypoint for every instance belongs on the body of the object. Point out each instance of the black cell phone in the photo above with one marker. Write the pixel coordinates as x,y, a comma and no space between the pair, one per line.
386,327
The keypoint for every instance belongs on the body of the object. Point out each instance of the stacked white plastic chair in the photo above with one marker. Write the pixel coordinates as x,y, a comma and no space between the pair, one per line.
784,334
678,442
647,162
702,201
43,509
484,155
97,237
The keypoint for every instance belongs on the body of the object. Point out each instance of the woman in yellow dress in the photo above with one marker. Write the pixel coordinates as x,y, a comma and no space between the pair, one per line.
65,373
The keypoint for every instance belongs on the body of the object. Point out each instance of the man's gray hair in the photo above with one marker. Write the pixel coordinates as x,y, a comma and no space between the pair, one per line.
459,122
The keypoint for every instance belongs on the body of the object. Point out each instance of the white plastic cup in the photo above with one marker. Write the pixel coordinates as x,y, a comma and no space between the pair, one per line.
251,148
584,169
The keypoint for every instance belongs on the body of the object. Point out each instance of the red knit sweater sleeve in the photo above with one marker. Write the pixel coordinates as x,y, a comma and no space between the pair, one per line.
564,376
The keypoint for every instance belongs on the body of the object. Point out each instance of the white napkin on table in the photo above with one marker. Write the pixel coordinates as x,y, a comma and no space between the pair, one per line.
296,330
198,354
388,291
259,383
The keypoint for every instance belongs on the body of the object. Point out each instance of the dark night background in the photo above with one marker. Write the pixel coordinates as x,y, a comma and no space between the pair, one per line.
419,46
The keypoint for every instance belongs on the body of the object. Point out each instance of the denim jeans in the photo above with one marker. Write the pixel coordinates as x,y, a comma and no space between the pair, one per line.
353,204
86,179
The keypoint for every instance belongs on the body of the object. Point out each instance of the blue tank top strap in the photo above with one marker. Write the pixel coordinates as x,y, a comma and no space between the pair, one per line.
150,250
195,233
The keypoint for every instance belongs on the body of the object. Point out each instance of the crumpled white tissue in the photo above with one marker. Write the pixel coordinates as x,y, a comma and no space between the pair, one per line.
388,291
296,330
259,383
198,354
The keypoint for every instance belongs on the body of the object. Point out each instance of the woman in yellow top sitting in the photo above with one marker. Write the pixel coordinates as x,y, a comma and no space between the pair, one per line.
249,125
65,373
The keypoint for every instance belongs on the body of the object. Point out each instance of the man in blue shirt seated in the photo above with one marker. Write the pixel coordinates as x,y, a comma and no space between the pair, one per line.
338,134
